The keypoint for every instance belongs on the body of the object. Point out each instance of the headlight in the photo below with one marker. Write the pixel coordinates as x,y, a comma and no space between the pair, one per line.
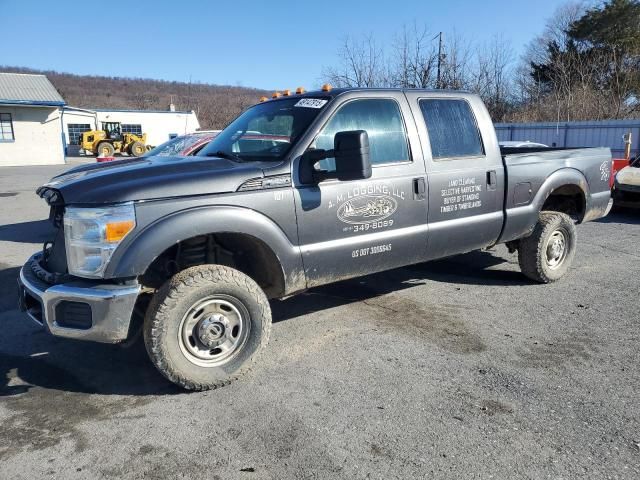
92,234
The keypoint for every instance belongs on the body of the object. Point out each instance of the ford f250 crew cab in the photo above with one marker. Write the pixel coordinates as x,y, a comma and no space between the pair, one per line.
298,191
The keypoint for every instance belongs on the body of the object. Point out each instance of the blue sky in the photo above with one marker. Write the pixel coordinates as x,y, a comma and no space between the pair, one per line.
279,44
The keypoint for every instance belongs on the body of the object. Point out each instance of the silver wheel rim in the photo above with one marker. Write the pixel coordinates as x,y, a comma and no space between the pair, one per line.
556,250
213,330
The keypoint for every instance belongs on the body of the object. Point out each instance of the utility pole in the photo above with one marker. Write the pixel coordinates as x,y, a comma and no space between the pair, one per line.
439,80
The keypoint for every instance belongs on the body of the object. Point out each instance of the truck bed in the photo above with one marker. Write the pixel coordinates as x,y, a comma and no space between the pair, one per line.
532,173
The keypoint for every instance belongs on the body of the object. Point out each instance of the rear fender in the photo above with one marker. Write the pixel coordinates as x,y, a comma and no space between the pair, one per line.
520,221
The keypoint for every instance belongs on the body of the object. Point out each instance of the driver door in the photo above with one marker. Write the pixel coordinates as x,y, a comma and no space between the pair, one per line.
352,228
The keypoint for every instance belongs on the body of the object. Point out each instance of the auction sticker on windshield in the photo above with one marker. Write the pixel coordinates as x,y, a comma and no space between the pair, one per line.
311,103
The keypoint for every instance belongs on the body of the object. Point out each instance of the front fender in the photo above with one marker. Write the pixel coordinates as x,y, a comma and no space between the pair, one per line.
134,256
520,221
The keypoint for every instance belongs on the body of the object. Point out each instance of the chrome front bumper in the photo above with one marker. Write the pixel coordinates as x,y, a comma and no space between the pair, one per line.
106,309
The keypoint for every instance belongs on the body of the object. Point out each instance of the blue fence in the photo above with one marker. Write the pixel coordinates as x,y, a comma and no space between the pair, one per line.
607,133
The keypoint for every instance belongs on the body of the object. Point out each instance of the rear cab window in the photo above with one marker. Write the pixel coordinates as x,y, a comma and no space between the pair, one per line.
452,128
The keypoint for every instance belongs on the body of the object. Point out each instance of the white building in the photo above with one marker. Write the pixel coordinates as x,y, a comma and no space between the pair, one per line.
159,125
30,128
38,128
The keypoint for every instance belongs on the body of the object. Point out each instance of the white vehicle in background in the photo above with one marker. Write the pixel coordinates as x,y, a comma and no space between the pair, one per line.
519,144
626,188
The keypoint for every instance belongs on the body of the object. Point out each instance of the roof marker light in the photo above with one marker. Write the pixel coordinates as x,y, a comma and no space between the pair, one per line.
263,99
286,93
326,87
300,90
276,95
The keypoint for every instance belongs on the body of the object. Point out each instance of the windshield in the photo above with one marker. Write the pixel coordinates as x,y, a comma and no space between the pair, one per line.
175,146
266,132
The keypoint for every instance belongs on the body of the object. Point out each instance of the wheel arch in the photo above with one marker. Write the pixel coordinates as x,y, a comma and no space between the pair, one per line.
567,196
564,178
236,229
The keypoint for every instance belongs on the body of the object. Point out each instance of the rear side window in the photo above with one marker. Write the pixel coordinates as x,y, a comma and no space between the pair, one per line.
382,120
452,128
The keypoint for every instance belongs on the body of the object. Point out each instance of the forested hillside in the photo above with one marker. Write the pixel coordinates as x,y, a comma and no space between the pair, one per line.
215,105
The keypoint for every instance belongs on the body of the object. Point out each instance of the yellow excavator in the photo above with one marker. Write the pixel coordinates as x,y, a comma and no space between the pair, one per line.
110,140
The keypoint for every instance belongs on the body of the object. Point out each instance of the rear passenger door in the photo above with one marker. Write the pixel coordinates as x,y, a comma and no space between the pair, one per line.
464,170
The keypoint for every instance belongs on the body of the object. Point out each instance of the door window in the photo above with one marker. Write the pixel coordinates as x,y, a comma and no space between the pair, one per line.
452,128
380,118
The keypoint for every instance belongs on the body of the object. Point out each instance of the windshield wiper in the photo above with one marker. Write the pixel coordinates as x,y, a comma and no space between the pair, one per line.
226,155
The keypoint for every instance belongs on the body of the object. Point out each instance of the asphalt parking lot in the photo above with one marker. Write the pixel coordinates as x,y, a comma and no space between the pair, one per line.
454,369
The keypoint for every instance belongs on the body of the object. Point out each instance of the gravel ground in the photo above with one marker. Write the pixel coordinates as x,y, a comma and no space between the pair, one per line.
454,369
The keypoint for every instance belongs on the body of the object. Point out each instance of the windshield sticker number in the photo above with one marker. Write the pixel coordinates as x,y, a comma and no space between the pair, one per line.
311,103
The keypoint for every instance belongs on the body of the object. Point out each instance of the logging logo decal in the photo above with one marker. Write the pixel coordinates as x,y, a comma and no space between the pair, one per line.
365,209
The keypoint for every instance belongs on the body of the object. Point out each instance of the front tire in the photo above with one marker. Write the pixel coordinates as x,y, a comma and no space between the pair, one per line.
546,255
205,327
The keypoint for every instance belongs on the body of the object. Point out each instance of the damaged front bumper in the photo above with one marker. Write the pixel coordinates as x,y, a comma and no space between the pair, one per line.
80,309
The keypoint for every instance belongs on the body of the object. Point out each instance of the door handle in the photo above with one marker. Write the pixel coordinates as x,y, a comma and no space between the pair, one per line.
419,188
492,180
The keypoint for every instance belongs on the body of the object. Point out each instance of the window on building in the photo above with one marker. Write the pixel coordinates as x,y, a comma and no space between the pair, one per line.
452,128
134,128
75,130
6,127
382,120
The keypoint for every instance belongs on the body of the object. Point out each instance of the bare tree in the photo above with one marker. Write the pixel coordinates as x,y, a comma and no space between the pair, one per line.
361,64
415,59
455,68
492,76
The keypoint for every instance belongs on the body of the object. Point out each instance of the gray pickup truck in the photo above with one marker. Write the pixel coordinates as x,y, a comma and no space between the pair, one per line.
298,191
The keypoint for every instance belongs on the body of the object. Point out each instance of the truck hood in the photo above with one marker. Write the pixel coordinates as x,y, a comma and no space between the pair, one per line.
147,178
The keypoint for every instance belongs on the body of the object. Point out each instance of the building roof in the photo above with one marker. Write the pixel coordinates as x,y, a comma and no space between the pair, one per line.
28,89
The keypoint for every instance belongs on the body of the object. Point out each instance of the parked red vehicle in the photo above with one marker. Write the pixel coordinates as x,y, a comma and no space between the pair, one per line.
182,146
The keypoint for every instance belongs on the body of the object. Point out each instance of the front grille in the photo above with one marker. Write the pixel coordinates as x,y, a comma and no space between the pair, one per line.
73,315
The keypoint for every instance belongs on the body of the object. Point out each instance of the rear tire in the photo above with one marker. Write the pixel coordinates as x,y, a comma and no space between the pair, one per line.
206,326
137,149
546,255
105,149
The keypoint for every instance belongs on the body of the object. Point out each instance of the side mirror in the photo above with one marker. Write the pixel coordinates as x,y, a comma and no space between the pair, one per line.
351,151
351,154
